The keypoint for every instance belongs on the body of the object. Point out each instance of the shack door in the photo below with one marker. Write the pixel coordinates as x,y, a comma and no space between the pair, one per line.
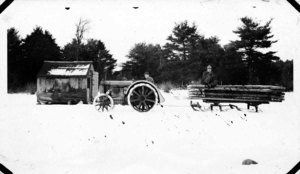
95,84
89,89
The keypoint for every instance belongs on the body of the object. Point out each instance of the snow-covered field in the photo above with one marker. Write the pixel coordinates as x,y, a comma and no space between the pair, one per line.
59,139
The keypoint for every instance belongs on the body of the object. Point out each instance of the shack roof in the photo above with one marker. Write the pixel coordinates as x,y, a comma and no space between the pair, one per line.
65,68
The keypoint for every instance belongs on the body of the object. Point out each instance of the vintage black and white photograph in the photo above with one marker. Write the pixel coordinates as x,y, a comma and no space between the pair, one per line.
149,86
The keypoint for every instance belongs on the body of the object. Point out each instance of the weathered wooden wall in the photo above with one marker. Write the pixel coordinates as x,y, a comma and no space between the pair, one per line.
62,84
62,89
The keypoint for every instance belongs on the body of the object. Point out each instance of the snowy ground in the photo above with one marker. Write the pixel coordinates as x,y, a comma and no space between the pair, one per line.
73,139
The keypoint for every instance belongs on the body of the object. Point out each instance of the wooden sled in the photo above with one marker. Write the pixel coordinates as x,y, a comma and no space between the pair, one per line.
252,95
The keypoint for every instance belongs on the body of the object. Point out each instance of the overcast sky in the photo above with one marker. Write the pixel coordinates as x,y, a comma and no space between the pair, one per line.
120,26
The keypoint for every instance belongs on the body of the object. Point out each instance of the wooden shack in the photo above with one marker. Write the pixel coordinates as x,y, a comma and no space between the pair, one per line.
67,82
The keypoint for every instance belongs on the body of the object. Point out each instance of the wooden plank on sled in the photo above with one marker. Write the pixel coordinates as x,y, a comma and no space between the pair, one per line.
254,87
241,96
243,92
240,87
227,95
240,90
223,100
236,92
233,95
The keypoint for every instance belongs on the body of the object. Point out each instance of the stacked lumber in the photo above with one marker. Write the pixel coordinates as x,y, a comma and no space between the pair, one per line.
242,93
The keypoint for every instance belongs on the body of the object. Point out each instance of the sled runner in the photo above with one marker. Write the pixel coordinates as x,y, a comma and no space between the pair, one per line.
252,95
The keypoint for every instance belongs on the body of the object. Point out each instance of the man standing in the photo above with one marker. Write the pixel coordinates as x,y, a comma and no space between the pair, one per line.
208,78
148,78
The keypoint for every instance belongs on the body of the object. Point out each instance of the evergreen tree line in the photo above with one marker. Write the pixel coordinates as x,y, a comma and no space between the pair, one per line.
26,56
186,54
180,61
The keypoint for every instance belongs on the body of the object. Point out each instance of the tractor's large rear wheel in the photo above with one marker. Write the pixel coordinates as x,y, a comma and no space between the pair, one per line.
142,97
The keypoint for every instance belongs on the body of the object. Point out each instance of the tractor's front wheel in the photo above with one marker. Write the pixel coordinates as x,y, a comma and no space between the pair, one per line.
103,102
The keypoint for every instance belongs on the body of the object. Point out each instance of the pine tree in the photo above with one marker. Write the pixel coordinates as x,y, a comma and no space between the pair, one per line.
38,46
254,38
103,61
188,53
70,51
93,50
232,69
182,41
14,59
144,57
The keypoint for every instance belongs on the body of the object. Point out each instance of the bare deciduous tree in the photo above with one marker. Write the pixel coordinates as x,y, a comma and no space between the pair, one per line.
81,28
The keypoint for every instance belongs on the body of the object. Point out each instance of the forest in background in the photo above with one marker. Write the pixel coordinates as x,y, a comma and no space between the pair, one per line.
180,61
